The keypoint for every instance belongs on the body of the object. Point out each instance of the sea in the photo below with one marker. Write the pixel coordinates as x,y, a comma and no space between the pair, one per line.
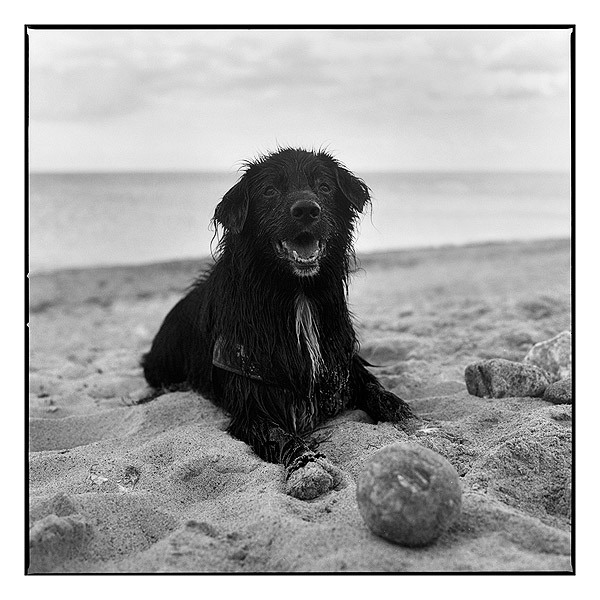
105,219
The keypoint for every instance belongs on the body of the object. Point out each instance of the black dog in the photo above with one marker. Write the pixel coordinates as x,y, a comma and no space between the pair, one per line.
266,333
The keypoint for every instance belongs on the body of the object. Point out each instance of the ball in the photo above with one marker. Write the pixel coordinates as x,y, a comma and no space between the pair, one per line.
408,494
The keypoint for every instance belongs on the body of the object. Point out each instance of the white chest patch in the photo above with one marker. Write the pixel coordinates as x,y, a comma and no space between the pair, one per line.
307,333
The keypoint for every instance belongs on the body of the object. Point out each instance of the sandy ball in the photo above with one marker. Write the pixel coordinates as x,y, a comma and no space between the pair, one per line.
408,494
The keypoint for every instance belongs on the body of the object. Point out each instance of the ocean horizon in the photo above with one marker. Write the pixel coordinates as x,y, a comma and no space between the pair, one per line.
87,219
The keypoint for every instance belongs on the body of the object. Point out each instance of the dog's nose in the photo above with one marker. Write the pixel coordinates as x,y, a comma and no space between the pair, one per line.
307,211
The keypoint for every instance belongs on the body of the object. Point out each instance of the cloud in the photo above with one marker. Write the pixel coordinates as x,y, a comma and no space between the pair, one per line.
72,77
82,92
90,75
292,63
161,92
117,75
523,85
536,51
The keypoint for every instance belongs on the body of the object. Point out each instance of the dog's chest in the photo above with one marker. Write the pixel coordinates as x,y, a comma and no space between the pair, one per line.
328,374
307,335
313,357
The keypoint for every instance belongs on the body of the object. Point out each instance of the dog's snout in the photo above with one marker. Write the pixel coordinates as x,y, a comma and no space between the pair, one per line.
306,211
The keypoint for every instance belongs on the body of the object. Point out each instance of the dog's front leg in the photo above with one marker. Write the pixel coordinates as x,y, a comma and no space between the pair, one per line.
308,473
370,396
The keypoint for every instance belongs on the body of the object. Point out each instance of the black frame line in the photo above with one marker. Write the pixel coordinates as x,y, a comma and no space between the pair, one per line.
280,27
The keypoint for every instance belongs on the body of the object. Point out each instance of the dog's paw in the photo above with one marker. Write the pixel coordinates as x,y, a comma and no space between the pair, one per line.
312,479
386,406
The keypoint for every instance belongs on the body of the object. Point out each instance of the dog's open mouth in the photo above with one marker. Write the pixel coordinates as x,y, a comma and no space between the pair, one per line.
304,253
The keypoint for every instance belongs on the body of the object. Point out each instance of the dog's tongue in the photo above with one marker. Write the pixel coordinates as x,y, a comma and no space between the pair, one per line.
305,249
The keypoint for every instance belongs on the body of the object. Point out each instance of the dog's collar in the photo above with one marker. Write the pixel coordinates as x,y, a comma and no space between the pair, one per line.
232,357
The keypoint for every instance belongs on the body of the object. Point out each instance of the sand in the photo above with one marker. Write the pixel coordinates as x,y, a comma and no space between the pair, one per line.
161,487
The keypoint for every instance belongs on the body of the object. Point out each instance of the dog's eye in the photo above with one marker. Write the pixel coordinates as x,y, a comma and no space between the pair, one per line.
323,187
270,192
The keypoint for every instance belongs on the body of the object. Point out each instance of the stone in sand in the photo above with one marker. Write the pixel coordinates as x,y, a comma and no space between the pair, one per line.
408,494
560,392
501,378
54,539
553,355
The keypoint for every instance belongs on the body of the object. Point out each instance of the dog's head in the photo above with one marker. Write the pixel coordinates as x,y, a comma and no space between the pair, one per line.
294,208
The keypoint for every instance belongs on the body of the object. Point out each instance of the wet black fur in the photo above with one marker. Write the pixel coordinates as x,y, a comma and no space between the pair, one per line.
249,298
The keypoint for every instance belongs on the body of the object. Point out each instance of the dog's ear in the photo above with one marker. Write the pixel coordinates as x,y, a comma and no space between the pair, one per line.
354,189
232,211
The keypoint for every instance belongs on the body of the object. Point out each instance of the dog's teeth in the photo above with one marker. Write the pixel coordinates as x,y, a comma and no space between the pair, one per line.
292,254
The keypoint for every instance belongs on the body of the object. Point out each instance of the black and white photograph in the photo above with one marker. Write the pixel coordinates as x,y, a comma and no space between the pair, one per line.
299,299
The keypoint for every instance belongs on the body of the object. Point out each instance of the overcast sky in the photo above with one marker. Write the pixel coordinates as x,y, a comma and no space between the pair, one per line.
378,99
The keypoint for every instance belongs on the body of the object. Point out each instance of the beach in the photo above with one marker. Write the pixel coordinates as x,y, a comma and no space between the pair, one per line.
120,487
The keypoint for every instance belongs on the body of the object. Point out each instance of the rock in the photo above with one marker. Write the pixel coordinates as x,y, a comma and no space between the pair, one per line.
553,355
561,412
408,494
560,392
62,505
201,527
500,378
54,539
